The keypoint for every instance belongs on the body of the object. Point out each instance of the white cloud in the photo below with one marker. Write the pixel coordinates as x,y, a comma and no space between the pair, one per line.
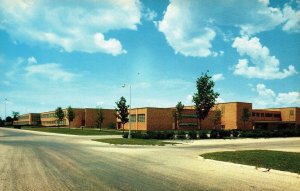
264,92
265,66
76,26
149,14
292,18
268,98
217,77
31,60
52,71
190,26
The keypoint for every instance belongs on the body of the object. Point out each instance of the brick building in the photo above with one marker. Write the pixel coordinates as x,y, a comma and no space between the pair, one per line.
150,118
83,117
231,118
28,119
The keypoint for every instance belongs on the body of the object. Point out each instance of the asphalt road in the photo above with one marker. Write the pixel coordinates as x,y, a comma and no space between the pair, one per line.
41,161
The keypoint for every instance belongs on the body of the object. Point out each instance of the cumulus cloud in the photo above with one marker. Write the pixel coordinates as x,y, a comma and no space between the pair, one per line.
52,71
264,65
149,14
217,77
268,98
292,18
31,60
76,26
191,26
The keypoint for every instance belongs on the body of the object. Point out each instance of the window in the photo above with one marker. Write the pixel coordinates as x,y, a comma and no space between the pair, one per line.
257,114
291,112
253,114
262,115
277,115
141,117
132,118
269,114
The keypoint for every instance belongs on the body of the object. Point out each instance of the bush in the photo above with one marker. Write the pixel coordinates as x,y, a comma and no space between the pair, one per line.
235,133
181,135
224,133
214,134
125,135
169,134
192,135
203,135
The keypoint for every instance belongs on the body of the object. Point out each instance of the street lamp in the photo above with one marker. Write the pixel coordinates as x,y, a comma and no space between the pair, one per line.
5,100
129,133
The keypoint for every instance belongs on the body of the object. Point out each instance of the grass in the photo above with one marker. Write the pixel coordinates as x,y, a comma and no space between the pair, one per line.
284,161
123,141
74,131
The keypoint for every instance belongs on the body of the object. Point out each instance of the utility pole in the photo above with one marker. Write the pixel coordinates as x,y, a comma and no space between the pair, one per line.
5,100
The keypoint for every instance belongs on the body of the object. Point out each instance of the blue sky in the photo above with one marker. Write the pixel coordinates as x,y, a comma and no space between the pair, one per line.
61,53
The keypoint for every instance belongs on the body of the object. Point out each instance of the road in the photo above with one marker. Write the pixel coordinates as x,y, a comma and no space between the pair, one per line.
42,161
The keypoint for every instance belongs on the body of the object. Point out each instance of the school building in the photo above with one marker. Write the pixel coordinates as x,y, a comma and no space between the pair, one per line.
149,118
152,118
28,119
83,117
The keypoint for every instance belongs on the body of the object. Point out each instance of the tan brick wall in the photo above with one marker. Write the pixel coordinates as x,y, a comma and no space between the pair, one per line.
52,121
155,119
91,117
159,118
239,111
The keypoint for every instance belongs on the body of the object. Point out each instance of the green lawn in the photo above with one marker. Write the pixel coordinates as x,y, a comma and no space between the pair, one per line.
285,161
74,131
123,141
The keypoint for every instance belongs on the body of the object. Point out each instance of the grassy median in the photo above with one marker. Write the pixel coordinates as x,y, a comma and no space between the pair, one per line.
123,141
284,161
74,131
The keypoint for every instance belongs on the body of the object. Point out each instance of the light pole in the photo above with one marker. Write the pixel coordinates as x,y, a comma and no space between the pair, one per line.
5,100
129,133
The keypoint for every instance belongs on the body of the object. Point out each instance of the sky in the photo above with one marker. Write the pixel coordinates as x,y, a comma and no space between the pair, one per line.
80,53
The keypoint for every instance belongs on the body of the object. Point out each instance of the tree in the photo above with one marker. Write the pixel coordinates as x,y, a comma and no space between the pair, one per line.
70,115
1,122
217,117
15,115
122,111
178,113
59,114
8,121
205,97
245,116
99,118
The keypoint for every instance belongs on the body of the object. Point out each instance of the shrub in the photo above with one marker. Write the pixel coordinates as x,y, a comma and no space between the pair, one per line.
181,135
224,133
203,135
214,134
235,133
169,134
192,135
125,135
136,135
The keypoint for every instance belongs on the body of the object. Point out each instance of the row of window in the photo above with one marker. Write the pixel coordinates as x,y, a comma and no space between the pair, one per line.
54,122
141,118
22,117
50,115
276,115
